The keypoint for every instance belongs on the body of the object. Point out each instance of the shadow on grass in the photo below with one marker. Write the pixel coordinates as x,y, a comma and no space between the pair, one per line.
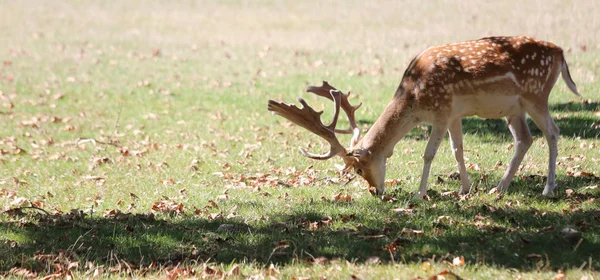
589,106
506,236
571,126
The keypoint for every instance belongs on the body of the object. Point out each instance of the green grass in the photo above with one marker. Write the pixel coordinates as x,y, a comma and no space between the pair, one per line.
175,95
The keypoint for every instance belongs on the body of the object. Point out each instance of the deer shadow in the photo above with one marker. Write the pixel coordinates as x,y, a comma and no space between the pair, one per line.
496,129
504,236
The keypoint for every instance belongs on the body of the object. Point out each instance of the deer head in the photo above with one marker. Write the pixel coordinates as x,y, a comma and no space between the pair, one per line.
363,163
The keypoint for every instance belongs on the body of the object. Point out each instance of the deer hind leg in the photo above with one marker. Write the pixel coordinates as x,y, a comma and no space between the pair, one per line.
523,140
456,142
437,135
544,121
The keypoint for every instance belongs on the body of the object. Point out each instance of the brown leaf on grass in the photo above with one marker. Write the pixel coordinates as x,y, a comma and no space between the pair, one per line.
569,192
115,214
449,194
194,165
494,191
234,271
272,270
473,166
388,198
168,206
69,127
98,161
215,216
445,219
109,213
208,271
318,261
404,211
479,217
346,217
19,182
19,201
223,197
212,204
458,261
341,197
97,179
391,247
581,174
53,276
445,275
22,272
410,231
560,275
300,278
177,272
282,244
169,181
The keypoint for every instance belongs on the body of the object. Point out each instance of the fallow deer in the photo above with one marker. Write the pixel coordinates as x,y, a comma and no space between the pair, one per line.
491,77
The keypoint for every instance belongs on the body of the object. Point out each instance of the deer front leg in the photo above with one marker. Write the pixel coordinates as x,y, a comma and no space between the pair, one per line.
522,137
437,134
456,142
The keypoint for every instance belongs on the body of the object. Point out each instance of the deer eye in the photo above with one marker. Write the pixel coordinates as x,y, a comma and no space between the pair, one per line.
359,171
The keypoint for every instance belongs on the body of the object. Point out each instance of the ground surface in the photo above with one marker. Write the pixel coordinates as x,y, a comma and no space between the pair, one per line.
139,132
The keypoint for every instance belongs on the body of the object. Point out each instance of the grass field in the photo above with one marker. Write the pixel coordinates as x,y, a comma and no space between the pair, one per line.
135,141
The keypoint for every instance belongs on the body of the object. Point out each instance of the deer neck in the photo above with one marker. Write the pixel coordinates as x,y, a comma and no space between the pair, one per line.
398,118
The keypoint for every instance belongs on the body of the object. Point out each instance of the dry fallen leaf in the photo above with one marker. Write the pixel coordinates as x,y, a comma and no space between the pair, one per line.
235,270
22,272
341,197
412,232
272,270
560,275
405,211
494,191
458,261
445,275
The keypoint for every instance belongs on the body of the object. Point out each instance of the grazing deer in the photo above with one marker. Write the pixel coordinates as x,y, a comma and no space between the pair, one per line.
491,77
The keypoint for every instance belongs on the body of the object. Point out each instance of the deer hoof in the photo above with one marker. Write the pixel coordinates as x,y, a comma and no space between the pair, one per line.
421,196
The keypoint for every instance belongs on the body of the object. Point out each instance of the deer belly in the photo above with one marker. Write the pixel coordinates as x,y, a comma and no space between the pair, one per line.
487,106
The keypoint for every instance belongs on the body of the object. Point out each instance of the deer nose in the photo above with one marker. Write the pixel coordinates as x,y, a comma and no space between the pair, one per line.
376,191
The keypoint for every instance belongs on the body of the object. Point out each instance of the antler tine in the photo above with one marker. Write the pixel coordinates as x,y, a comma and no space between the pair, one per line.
310,119
325,91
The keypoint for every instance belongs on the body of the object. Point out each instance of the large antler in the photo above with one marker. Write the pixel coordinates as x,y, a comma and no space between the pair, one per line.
310,119
324,91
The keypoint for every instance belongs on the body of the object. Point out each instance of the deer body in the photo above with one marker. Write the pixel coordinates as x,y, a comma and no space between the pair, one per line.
491,77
